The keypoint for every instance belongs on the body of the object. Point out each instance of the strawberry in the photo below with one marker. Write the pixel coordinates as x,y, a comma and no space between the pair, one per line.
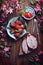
19,23
20,29
17,26
22,26
28,14
13,24
17,34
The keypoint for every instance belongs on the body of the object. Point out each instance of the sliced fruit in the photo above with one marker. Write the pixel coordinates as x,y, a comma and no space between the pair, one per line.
17,26
13,24
17,34
19,23
22,26
20,29
25,47
32,42
12,30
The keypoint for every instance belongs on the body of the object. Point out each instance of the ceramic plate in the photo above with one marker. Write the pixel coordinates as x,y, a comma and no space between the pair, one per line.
8,29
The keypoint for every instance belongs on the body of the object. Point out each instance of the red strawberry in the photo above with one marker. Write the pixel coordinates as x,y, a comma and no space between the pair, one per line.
22,26
17,34
20,29
17,26
28,14
13,24
19,23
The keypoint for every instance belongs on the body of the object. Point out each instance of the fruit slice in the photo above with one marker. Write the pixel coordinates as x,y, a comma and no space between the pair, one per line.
24,47
19,22
22,26
13,24
31,42
20,29
17,26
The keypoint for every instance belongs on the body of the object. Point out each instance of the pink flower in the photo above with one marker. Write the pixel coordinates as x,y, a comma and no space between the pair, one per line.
3,27
18,8
1,21
38,0
6,55
7,11
10,10
36,58
4,52
6,3
42,17
6,49
3,35
41,52
37,8
3,7
3,15
1,32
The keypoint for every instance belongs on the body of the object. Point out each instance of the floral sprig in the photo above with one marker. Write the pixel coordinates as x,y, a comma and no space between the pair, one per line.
38,7
37,58
7,7
4,46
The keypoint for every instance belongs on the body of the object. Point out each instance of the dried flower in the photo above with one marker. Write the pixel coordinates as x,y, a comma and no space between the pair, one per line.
37,8
40,52
6,49
3,35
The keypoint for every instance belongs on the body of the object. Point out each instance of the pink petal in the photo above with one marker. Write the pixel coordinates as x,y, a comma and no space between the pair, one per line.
11,10
41,52
37,59
3,35
3,7
38,0
37,8
6,49
7,11
1,21
6,55
42,18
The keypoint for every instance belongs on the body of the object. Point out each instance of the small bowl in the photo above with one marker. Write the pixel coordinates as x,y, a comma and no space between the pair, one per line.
28,9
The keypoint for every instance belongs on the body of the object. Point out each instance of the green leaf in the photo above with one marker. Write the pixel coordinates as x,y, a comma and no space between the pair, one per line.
5,44
23,11
31,59
3,1
36,63
1,46
0,37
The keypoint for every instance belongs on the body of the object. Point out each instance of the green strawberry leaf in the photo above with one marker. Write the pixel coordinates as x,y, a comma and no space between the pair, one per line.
23,11
1,46
5,44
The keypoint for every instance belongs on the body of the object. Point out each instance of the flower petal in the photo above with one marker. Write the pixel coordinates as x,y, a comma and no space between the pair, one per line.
6,49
